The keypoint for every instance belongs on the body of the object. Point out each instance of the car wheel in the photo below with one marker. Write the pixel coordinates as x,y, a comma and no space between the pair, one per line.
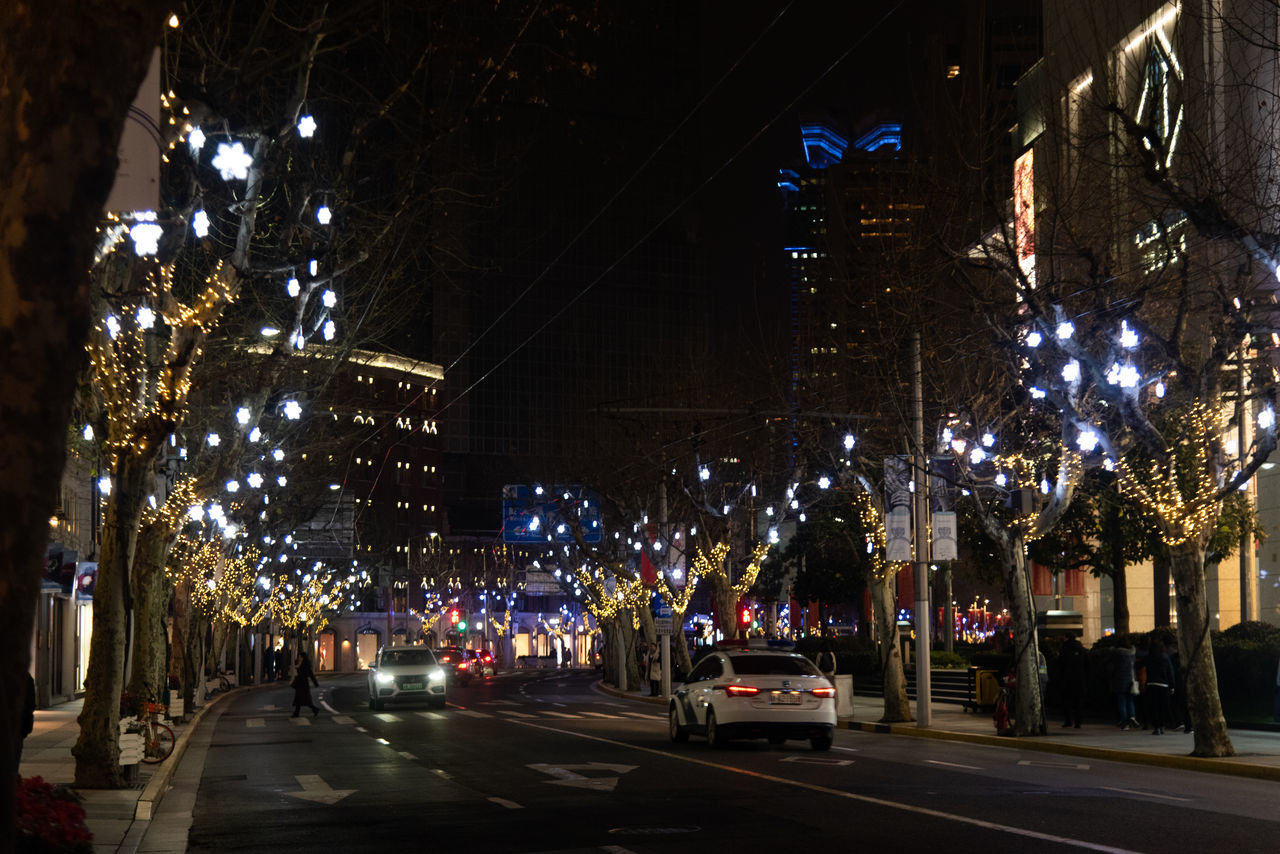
821,742
678,733
437,703
378,705
714,736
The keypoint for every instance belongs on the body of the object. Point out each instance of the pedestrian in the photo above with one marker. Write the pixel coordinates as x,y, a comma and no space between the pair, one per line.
302,682
827,659
28,722
1123,683
1160,685
655,670
1073,670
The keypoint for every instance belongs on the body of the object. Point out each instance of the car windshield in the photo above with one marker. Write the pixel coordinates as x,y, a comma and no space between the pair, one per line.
408,656
772,665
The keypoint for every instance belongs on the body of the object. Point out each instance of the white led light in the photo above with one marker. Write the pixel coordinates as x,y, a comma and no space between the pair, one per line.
1087,440
292,410
1071,371
1267,418
213,439
977,455
232,161
988,439
195,140
329,298
242,415
323,215
104,485
200,223
1065,330
329,330
849,441
1033,339
1128,338
233,486
306,127
88,433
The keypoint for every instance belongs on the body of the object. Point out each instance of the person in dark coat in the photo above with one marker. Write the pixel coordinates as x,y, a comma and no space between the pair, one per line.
1160,686
28,722
1073,670
302,683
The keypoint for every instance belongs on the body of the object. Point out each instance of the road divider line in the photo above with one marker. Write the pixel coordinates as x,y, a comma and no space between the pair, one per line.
1144,794
407,755
851,796
503,802
953,764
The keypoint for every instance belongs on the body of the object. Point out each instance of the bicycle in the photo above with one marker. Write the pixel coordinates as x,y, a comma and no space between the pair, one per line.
158,739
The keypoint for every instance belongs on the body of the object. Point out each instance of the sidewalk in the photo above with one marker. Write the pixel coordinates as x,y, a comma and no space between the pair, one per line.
1257,752
117,818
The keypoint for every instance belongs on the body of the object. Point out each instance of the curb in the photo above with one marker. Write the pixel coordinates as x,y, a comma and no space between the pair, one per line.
604,688
1186,763
154,791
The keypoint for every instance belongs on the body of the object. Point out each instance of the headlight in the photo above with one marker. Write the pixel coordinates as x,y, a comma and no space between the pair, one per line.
436,675
384,678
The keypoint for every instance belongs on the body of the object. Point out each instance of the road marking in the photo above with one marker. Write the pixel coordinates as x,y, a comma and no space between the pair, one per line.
852,796
602,715
300,721
953,764
361,729
503,802
343,719
562,715
566,775
501,703
317,790
440,772
253,723
643,716
616,849
474,714
435,716
510,713
268,708
386,717
1075,766
382,740
407,755
847,749
1143,794
816,760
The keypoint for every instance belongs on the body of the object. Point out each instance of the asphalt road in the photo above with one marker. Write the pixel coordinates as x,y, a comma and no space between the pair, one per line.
542,762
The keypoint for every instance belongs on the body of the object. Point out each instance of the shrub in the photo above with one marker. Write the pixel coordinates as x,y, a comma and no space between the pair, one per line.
1255,631
942,658
50,819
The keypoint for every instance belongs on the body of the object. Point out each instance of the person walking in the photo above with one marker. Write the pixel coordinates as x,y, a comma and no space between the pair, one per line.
302,682
655,670
1160,684
1073,670
827,660
1123,683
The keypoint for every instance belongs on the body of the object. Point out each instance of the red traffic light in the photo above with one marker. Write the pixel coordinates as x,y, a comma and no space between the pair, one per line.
744,616
453,617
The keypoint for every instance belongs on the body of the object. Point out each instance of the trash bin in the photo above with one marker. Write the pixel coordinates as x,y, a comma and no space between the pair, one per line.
984,688
844,695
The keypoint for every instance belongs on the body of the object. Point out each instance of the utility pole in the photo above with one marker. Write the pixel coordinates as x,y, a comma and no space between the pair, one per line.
666,637
920,502
1244,438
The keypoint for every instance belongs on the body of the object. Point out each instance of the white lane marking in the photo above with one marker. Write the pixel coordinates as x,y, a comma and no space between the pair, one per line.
387,717
300,721
343,719
512,714
317,790
472,713
500,703
361,729
1075,766
816,760
953,764
252,723
602,715
562,715
435,716
1143,794
406,754
616,849
643,716
847,749
503,802
442,773
852,796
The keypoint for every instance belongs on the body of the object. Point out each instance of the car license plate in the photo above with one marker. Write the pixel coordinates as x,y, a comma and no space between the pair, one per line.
787,698
411,686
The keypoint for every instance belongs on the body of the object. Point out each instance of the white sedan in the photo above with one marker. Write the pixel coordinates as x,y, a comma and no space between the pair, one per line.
754,693
404,673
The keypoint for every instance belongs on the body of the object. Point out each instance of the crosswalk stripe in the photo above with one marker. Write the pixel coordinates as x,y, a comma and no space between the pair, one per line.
602,715
254,722
474,714
562,715
387,717
435,716
343,719
510,713
641,715
300,721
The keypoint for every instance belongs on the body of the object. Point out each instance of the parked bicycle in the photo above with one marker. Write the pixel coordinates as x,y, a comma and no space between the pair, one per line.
158,738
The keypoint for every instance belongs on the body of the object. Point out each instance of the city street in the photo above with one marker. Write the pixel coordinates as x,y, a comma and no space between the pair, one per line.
538,761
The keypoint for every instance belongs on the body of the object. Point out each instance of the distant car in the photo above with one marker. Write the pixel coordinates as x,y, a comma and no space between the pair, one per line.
754,693
456,663
482,663
405,674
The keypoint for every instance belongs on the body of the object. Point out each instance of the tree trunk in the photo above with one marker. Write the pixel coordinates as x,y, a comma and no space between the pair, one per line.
680,661
1160,590
897,707
97,750
725,602
67,91
1195,652
1120,594
1029,708
148,676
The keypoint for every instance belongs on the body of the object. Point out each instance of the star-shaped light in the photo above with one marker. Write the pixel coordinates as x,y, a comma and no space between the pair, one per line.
232,161
329,298
146,317
195,140
306,127
292,410
323,215
200,223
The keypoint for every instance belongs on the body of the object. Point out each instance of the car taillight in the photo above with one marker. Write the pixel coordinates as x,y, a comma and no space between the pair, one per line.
741,690
824,692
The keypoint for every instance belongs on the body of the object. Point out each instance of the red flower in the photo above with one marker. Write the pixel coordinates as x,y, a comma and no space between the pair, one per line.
50,819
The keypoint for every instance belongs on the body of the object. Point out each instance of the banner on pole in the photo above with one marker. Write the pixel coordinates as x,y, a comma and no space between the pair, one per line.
942,503
897,508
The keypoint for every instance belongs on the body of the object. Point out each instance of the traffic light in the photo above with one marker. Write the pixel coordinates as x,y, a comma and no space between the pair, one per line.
744,616
462,625
454,616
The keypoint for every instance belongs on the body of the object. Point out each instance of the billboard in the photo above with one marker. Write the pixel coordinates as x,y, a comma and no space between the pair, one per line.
539,515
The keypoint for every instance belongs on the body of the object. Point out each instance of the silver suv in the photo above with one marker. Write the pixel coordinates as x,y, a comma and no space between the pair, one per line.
406,673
